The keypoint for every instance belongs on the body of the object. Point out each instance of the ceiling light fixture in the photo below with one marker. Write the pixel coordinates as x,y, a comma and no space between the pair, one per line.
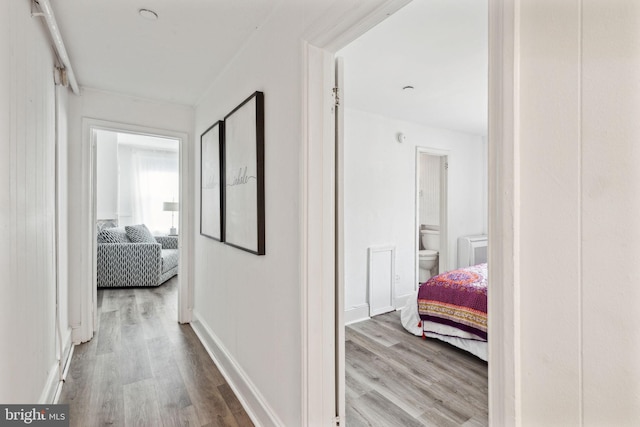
148,14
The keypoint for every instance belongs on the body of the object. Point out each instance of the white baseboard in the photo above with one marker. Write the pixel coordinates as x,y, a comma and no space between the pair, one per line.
247,393
67,354
53,385
361,312
50,387
356,314
401,301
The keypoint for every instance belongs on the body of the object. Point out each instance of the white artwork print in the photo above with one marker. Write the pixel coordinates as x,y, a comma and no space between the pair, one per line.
211,209
241,197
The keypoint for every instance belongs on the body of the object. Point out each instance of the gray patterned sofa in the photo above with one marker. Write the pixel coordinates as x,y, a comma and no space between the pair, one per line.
132,256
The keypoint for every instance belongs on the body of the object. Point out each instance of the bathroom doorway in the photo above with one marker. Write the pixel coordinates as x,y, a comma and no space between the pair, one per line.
431,219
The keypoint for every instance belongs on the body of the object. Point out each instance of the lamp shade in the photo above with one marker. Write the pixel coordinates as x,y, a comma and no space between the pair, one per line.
170,206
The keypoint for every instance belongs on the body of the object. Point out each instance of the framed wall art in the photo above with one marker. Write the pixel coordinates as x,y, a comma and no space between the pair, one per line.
212,182
244,216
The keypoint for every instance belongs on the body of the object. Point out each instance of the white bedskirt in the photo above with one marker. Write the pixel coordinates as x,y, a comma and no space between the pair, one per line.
411,322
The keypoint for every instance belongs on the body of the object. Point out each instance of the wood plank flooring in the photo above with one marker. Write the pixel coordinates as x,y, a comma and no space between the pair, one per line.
144,369
394,378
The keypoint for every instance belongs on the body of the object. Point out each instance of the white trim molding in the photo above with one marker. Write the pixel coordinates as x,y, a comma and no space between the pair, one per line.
252,401
51,385
343,23
55,379
65,369
357,314
318,241
503,313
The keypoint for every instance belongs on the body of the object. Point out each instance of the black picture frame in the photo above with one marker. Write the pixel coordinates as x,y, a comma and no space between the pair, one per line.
212,182
244,197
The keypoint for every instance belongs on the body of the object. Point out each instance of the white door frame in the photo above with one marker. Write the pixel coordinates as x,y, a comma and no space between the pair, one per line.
504,214
444,260
88,298
318,211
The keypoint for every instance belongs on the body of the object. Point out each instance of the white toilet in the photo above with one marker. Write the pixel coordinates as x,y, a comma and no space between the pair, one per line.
428,257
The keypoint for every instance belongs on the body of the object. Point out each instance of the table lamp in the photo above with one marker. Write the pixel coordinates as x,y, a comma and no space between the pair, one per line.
171,207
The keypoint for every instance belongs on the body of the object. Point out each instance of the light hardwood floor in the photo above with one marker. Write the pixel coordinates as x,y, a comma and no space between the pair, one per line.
397,379
142,368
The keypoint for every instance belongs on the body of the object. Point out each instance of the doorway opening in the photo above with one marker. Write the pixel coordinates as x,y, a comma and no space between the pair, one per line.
432,219
322,325
404,88
136,177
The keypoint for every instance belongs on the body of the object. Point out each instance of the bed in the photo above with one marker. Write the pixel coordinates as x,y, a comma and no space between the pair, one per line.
452,307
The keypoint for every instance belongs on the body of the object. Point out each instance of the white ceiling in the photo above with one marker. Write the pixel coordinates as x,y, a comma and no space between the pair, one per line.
438,46
174,58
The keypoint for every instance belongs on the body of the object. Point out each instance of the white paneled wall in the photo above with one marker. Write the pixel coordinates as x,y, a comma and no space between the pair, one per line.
610,212
28,360
579,232
62,238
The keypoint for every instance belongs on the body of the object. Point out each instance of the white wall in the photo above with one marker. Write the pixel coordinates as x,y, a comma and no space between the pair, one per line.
579,234
252,304
107,175
380,194
28,360
118,108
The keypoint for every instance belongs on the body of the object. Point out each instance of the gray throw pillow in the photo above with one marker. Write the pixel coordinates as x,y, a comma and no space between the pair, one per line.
139,234
113,235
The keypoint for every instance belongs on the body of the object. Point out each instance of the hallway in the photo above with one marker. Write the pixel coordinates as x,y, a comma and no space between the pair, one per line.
143,368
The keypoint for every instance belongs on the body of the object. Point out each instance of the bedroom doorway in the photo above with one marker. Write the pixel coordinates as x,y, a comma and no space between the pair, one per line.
395,97
322,352
144,157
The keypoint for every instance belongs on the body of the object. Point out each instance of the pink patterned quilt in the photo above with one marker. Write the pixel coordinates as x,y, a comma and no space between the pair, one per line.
457,298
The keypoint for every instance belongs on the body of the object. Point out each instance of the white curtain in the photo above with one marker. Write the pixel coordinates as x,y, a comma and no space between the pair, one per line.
155,180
